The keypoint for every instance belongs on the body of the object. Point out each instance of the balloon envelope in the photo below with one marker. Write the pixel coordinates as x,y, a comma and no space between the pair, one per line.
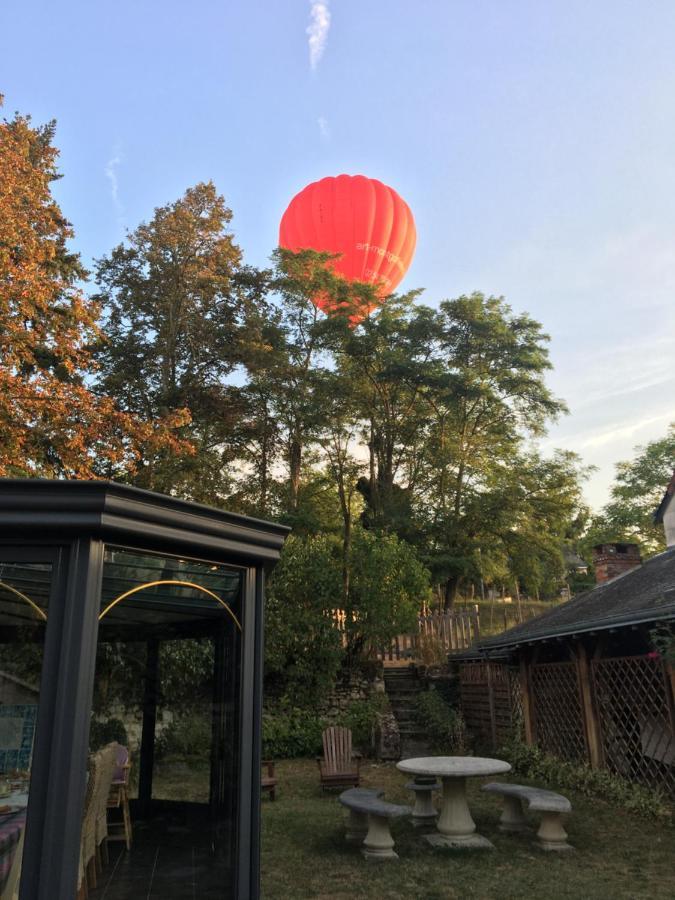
361,218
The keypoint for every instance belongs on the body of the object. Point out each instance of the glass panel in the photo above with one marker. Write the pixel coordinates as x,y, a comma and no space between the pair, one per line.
24,595
167,689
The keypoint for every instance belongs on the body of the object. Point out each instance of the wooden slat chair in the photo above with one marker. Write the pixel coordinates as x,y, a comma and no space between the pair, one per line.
269,782
339,767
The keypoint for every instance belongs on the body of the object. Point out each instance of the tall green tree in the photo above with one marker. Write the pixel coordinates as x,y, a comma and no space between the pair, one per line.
638,488
489,394
175,297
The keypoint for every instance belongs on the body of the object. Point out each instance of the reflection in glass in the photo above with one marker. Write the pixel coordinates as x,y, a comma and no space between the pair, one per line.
24,600
166,688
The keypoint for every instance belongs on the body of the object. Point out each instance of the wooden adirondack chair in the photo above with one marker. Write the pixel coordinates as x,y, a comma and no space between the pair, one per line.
338,767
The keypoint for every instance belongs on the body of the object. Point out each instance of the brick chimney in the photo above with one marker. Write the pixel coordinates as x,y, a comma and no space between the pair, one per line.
611,560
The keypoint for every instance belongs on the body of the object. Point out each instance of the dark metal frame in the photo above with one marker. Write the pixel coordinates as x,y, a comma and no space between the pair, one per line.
68,523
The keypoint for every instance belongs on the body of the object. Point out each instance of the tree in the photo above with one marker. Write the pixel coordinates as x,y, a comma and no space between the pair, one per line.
175,298
51,423
638,488
299,341
489,393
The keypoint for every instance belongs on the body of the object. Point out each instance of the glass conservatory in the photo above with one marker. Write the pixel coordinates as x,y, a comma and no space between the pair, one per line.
131,636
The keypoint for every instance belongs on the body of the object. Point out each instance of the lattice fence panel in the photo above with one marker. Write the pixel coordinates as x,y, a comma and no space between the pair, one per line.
558,715
635,719
516,699
486,698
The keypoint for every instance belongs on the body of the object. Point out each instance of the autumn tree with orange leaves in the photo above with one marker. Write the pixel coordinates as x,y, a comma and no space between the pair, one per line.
51,423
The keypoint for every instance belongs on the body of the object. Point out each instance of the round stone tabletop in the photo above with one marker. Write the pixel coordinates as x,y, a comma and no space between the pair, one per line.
453,766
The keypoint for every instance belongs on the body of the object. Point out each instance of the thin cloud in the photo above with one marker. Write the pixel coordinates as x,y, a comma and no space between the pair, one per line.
317,31
110,172
324,128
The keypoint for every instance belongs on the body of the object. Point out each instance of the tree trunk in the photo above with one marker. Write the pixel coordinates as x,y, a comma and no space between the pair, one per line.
294,464
451,591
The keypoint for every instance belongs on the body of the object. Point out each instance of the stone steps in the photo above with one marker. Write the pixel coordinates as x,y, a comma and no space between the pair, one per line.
403,687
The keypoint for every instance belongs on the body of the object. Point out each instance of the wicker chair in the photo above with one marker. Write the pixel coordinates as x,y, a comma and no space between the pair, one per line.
88,846
109,757
118,798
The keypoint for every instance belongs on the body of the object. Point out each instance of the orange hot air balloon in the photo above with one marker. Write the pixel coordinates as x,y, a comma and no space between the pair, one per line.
360,218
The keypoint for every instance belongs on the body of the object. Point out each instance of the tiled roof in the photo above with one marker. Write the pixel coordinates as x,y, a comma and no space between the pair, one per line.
643,594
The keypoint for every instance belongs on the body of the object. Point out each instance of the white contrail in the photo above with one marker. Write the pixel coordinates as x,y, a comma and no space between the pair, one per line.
318,30
111,174
324,128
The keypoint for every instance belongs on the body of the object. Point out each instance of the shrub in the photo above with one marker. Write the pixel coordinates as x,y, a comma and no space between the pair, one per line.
102,733
291,733
531,762
361,718
444,725
188,736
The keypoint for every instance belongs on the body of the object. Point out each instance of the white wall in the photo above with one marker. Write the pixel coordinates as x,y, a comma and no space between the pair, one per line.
669,522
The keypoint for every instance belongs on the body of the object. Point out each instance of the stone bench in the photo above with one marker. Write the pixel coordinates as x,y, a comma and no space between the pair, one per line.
552,807
369,813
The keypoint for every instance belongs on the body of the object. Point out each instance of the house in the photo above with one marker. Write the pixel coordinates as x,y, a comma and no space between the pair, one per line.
585,681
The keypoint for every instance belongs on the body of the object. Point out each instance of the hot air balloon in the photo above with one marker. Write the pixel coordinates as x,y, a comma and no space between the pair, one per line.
361,218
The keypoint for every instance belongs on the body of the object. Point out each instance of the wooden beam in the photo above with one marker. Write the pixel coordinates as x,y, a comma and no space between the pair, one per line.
528,703
591,722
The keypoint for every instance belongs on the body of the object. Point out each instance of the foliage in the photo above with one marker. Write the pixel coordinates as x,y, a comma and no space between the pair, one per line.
388,587
291,733
106,731
187,736
638,488
51,423
174,298
303,647
444,725
531,762
361,717
663,640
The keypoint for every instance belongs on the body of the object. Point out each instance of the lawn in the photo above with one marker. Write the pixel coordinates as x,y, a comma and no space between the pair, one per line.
304,853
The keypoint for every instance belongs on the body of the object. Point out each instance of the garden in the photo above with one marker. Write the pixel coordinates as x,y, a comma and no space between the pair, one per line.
305,855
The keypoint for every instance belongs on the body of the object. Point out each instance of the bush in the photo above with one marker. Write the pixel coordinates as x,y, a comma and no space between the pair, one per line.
291,733
102,733
188,736
531,762
443,724
361,718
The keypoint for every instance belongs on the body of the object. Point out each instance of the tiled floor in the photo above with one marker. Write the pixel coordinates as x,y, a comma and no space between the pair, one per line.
171,858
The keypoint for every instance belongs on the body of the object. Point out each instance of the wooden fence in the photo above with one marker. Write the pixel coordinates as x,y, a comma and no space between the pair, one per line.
615,713
454,630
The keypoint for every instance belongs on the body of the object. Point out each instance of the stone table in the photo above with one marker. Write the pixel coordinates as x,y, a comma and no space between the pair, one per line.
455,827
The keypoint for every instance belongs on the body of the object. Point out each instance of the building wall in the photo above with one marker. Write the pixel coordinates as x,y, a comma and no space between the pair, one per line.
669,524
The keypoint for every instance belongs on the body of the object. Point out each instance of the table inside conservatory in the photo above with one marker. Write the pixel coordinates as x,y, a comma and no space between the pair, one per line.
455,826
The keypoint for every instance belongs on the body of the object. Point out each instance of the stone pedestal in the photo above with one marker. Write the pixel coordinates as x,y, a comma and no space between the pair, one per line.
424,812
378,844
456,828
551,834
512,818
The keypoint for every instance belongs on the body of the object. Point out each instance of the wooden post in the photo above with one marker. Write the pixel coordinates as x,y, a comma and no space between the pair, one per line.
147,755
491,705
476,622
528,700
591,723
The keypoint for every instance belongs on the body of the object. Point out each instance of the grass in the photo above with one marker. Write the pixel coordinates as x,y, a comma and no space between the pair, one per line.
305,855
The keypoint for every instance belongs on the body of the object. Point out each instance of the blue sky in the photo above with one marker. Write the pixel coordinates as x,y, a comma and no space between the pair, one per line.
534,142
